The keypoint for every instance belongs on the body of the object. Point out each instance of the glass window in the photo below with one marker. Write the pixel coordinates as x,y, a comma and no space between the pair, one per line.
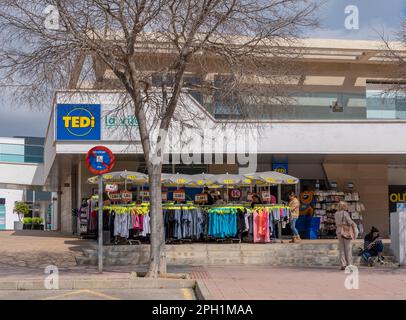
12,149
21,153
385,101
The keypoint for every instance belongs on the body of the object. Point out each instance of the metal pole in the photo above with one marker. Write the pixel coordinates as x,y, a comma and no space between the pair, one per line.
100,225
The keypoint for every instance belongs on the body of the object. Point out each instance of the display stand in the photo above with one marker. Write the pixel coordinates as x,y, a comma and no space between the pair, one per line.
327,205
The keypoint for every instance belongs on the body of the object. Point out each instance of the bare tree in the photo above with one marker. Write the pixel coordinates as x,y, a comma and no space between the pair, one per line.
249,41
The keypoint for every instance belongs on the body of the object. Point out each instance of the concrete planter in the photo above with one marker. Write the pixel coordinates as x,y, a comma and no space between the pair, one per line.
18,225
33,227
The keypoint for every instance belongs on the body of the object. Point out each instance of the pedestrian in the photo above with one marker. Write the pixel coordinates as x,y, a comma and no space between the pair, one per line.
346,232
373,247
294,205
256,200
210,200
219,200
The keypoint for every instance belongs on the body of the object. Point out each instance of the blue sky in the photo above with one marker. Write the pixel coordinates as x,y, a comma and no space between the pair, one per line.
375,17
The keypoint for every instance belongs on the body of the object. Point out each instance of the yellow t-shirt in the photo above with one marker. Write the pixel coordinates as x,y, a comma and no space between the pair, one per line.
294,208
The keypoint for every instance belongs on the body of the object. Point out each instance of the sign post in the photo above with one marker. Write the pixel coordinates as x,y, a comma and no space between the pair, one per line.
100,226
100,160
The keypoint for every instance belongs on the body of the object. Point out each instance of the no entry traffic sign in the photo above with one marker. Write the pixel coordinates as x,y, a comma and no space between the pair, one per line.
100,160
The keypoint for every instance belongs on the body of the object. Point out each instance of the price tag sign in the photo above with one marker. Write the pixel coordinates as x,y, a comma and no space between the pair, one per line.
235,193
201,198
114,196
126,195
179,195
111,187
144,193
164,196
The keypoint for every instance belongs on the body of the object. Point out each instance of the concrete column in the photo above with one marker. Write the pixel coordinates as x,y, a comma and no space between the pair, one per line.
66,204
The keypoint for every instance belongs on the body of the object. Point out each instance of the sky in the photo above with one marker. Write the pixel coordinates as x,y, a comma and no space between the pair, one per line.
376,18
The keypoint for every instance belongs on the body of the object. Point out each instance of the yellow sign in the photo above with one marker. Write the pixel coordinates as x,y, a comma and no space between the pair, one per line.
83,121
397,197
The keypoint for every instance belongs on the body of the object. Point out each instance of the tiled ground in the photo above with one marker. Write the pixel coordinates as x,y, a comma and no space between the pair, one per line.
262,282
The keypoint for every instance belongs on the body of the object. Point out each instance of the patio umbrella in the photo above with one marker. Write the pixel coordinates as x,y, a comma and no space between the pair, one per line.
286,179
229,180
135,177
272,177
175,179
202,179
113,177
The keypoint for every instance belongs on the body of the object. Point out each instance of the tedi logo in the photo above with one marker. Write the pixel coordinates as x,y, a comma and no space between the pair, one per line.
78,122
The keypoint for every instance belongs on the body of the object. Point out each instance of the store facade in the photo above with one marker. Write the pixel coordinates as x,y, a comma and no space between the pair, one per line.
336,134
362,166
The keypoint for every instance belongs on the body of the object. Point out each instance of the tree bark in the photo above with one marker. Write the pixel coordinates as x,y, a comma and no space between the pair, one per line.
157,265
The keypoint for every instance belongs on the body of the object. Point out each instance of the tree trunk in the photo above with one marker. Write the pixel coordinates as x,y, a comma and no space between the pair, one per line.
157,264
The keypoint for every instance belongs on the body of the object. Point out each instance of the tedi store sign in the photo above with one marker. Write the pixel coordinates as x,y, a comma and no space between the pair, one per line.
78,122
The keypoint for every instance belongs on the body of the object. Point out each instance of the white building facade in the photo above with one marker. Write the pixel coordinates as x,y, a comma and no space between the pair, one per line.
337,129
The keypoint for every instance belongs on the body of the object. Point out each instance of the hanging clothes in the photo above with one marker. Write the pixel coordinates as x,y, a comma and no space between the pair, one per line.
222,222
261,225
146,227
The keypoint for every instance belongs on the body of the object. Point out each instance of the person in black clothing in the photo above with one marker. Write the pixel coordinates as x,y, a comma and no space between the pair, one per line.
255,200
373,247
210,200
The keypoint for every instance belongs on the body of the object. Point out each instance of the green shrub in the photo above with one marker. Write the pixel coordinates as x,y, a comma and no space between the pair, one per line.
37,220
27,220
21,207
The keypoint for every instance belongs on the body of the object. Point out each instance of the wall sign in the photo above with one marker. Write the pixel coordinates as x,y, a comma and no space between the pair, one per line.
94,122
281,167
78,122
397,197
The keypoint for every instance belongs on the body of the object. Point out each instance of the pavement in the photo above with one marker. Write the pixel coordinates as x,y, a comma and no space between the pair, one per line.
275,283
24,255
30,251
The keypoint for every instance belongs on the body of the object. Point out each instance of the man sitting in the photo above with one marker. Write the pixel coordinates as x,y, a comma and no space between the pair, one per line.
373,247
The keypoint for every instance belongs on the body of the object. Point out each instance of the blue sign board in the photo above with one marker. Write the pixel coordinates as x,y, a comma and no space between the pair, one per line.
78,122
281,167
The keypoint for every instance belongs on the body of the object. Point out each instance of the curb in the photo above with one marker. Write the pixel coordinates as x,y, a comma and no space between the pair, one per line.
201,291
71,284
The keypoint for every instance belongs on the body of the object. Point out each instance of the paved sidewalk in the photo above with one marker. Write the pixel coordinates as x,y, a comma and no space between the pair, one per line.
270,283
27,253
